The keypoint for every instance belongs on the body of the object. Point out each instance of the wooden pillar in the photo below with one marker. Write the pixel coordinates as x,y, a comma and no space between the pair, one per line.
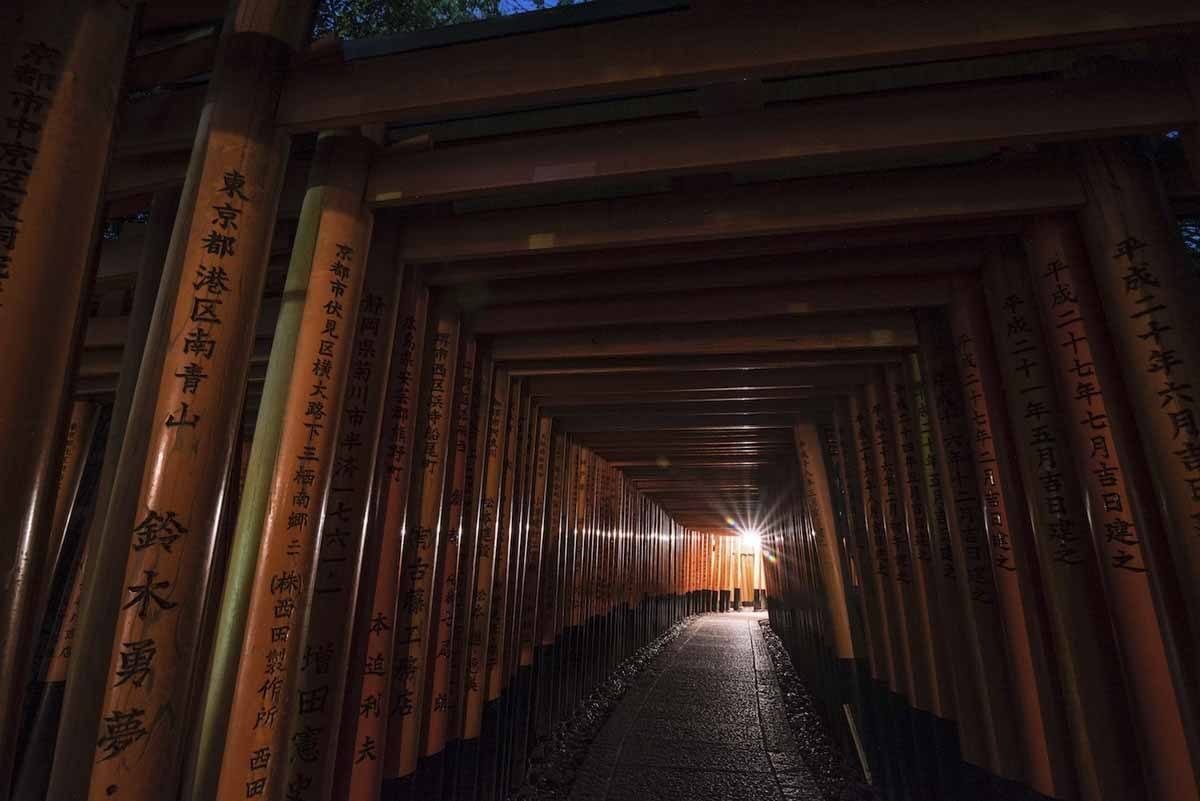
956,430
66,571
911,671
538,554
424,548
270,725
1086,656
221,559
957,632
358,771
38,755
117,493
473,496
493,678
572,472
475,675
925,629
1134,557
223,246
63,67
1014,565
548,599
452,571
817,484
510,563
878,561
322,193
347,531
1149,296
490,553
81,430
839,451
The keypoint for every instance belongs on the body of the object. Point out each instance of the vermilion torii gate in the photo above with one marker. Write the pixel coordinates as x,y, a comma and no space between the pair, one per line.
447,368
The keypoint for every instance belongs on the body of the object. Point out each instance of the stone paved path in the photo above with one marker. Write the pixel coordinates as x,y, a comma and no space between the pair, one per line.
705,720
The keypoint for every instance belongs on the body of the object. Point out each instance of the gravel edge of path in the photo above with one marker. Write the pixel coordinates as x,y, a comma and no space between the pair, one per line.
837,773
553,764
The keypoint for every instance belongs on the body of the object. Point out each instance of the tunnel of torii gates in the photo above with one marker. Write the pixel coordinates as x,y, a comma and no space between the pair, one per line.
431,376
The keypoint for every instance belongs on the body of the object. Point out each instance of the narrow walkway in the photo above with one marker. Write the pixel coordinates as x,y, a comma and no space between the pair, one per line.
705,720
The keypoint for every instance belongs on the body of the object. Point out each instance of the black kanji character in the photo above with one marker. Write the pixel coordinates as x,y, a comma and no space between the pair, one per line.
366,751
270,689
313,701
374,665
136,658
143,595
204,310
319,658
260,759
1183,422
200,342
286,581
192,374
121,730
1120,530
372,705
275,661
1138,276
219,244
266,717
226,216
213,279
183,420
234,183
306,744
157,529
297,787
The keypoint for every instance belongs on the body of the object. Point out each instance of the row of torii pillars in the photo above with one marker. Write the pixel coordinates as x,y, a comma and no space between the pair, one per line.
1023,449
288,676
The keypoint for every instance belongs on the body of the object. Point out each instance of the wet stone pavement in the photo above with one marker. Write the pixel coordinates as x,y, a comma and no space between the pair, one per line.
705,720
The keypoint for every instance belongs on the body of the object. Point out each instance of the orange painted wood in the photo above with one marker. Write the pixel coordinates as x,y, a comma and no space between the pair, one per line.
361,751
1084,648
1126,530
236,175
956,647
424,548
1041,715
878,561
475,667
1149,294
62,69
474,494
349,533
452,574
925,624
993,685
272,720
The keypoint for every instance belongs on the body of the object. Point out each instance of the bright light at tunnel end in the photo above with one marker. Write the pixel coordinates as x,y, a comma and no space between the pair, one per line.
750,536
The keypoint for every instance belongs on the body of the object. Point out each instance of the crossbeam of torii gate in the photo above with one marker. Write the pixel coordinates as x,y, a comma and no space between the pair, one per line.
658,281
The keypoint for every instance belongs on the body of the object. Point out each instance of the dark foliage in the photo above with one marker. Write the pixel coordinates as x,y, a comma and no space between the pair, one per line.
359,19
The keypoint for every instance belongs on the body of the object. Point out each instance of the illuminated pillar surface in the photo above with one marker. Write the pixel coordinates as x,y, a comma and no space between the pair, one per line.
62,70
